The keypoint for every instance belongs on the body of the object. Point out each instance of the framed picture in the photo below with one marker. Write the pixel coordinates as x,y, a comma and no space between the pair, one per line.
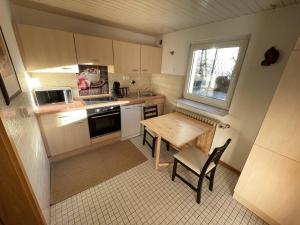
9,82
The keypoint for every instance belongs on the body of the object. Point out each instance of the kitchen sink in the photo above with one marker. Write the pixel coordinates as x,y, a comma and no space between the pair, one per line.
146,94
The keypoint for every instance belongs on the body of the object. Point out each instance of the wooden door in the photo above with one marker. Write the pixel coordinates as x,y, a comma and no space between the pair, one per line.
46,48
126,57
150,59
93,50
18,204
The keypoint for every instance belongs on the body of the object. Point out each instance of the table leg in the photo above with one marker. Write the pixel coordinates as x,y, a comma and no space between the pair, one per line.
158,143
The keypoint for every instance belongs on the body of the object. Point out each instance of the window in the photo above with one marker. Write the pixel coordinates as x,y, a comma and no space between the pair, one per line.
213,72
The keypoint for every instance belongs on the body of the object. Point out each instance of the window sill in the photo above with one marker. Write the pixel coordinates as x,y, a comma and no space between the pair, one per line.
202,107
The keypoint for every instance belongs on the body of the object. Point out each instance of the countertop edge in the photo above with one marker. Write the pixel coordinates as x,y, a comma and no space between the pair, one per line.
78,104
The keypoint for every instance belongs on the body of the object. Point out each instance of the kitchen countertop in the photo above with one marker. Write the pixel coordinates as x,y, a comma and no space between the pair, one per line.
79,104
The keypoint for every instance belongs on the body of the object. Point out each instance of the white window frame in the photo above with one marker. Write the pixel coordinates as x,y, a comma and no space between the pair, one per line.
242,43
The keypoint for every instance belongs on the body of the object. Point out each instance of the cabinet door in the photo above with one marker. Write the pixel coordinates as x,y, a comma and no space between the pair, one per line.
280,130
150,59
46,48
65,131
269,182
126,57
93,50
53,134
297,47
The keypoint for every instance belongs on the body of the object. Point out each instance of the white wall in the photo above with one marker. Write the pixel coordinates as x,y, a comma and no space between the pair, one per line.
44,19
256,84
22,125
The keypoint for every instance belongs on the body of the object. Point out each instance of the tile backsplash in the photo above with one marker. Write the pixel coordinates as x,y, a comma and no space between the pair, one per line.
142,81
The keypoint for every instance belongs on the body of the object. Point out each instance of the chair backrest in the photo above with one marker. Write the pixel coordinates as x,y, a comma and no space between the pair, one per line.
150,111
215,156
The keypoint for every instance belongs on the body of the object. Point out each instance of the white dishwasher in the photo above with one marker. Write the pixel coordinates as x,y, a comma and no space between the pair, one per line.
130,120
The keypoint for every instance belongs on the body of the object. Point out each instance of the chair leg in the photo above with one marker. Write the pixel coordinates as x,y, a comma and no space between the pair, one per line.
211,179
153,146
174,169
168,146
199,189
144,138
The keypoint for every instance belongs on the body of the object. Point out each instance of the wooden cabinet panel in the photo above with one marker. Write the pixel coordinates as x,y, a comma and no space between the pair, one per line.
150,59
53,134
65,131
46,48
93,50
126,57
269,182
297,47
280,130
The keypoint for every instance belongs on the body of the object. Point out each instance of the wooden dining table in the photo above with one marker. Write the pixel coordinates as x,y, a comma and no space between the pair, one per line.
176,128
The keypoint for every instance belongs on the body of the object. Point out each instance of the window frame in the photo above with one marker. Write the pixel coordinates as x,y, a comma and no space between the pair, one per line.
243,44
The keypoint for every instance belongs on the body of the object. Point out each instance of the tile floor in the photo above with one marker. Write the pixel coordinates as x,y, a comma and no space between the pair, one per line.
143,195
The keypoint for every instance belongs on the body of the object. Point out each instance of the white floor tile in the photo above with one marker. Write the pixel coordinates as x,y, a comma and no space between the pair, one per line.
143,195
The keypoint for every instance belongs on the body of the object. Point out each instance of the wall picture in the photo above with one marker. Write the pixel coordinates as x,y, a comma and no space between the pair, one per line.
9,83
92,80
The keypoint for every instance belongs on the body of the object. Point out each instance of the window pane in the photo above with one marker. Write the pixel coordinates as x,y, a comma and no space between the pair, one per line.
211,72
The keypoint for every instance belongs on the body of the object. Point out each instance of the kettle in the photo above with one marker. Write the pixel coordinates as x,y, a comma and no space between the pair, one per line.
116,89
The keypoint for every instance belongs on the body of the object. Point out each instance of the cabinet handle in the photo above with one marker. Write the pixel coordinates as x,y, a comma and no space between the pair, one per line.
63,117
94,60
145,70
95,117
135,70
81,122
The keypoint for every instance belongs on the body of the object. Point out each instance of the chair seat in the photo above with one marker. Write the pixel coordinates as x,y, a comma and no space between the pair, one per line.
151,132
194,159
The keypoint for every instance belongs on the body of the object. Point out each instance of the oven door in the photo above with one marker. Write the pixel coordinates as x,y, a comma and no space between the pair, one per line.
104,123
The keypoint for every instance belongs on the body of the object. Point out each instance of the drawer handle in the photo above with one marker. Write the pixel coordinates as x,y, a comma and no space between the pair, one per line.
145,70
135,70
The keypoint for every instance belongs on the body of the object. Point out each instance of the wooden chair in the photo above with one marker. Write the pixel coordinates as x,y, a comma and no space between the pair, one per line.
200,164
150,112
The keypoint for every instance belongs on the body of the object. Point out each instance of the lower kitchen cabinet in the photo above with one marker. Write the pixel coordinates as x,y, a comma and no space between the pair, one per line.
66,131
130,120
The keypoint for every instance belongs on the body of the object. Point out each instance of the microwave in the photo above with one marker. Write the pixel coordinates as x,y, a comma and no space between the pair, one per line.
45,96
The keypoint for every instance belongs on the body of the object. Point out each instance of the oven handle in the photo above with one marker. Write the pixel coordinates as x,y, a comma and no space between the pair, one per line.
95,117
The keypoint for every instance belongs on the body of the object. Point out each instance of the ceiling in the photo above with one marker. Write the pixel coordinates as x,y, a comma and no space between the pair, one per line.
155,16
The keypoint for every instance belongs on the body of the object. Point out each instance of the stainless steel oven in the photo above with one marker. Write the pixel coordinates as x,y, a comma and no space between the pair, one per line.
104,120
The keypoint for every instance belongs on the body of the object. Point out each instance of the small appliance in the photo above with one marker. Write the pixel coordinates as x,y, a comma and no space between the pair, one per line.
53,95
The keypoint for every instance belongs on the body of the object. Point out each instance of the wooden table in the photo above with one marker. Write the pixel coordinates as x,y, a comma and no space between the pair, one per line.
176,128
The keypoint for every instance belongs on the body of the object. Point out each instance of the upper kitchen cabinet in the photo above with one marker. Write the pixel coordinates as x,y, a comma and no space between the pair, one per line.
44,48
150,59
126,57
93,50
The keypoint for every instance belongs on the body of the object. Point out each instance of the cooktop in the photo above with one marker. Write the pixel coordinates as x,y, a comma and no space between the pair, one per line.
92,101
